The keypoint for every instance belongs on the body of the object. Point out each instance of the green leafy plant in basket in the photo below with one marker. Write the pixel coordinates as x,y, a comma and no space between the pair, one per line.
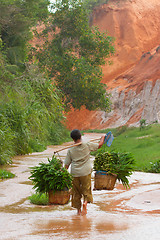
50,176
120,164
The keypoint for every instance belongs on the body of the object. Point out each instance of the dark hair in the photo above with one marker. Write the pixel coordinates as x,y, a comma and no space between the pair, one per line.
75,134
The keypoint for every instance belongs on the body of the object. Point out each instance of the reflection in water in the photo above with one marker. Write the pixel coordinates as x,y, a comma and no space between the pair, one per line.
110,227
79,227
76,226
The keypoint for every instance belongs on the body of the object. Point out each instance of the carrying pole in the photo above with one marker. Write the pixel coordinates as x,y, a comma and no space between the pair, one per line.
76,144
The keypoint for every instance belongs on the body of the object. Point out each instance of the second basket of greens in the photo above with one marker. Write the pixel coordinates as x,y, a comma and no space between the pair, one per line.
112,166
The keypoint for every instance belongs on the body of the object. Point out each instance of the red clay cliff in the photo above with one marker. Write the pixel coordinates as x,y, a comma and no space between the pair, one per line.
134,77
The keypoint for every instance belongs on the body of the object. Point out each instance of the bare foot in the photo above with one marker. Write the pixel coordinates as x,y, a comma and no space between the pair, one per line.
79,212
84,210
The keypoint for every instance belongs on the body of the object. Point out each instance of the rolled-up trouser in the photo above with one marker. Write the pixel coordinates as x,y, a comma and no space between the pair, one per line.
81,188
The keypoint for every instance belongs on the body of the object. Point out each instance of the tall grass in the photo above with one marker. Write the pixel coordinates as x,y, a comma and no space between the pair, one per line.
6,139
30,115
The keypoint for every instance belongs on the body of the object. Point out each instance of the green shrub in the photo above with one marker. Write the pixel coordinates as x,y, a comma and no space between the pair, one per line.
6,141
39,199
6,174
15,116
154,167
143,124
120,130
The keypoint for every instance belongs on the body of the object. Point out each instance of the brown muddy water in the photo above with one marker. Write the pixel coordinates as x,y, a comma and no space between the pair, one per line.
120,214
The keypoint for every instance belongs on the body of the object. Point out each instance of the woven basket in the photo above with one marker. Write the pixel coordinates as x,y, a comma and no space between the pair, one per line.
104,181
59,197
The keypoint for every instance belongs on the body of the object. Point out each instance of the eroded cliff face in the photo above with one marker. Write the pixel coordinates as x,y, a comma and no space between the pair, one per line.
135,26
134,77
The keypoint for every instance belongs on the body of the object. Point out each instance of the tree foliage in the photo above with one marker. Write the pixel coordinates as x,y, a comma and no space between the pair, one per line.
75,54
16,19
31,109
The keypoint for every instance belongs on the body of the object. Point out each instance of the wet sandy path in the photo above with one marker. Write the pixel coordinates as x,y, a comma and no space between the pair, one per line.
119,214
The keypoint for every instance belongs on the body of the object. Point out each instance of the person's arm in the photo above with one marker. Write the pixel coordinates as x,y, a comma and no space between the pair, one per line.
67,160
94,146
101,141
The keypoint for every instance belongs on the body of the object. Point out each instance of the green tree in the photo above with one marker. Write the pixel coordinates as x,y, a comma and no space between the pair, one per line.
75,55
16,19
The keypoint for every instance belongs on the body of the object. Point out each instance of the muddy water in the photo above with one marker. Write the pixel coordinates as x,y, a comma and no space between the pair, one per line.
119,214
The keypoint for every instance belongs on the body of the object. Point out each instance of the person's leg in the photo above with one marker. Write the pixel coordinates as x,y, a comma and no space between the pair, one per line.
86,191
76,194
84,209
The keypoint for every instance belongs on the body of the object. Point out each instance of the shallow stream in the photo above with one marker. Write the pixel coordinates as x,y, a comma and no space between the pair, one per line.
120,214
